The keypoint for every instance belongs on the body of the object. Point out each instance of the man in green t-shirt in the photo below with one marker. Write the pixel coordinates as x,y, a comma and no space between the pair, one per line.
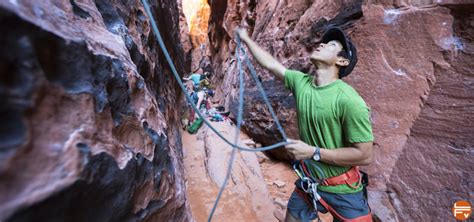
334,128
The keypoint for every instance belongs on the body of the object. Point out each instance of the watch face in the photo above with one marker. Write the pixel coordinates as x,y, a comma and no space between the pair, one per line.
316,154
316,157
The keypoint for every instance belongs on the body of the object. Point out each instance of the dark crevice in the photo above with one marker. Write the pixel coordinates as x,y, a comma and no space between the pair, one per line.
113,19
79,11
143,67
152,207
348,14
216,19
19,77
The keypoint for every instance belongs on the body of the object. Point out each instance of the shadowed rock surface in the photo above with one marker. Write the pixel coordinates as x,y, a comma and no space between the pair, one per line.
90,111
88,127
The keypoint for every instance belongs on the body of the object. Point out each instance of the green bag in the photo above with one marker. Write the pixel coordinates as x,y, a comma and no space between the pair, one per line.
195,126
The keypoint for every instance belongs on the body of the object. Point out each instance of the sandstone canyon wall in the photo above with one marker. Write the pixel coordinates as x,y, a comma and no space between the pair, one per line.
414,71
88,112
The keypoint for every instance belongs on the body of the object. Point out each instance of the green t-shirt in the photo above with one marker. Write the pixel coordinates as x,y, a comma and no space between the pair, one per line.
330,117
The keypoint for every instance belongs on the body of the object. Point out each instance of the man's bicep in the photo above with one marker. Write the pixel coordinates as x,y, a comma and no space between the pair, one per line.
279,71
365,147
367,150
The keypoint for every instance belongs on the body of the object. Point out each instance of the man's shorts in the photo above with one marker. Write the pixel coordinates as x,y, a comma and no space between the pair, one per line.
347,205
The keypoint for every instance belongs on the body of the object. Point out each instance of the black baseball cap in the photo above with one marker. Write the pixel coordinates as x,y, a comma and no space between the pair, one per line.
335,33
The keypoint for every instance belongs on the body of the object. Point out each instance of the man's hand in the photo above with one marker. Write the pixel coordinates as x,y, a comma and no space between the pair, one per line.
299,150
263,57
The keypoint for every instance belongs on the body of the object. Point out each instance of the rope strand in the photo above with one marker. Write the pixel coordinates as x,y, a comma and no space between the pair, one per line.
262,92
237,131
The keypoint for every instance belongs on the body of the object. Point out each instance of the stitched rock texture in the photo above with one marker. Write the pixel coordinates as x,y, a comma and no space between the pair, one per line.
88,129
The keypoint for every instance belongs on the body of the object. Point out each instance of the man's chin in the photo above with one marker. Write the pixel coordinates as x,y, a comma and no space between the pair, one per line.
314,60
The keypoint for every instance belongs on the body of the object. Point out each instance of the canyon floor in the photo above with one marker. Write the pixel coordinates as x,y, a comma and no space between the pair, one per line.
258,189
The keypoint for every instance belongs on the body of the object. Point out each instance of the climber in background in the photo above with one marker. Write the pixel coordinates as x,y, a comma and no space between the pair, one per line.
195,77
334,127
201,93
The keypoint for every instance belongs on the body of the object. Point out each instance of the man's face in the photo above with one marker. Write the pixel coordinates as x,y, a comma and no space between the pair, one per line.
327,52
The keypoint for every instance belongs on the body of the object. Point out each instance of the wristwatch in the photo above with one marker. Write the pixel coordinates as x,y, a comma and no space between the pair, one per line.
317,154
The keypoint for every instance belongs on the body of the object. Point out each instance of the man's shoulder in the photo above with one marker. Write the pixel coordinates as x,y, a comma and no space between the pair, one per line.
295,74
349,94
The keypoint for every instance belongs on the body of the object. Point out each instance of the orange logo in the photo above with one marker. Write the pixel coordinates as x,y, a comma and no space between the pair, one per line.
462,210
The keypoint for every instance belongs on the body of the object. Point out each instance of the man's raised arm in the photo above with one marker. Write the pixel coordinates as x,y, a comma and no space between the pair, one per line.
263,58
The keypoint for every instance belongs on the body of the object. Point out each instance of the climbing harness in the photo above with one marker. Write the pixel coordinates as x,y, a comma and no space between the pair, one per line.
234,145
307,187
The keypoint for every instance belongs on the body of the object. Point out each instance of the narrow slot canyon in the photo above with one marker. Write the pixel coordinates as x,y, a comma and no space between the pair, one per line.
95,127
258,186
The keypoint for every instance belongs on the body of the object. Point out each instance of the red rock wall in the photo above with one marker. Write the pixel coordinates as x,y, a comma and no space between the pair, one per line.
88,113
414,72
435,168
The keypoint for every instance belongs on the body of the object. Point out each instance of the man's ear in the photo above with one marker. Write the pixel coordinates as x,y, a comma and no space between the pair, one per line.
341,61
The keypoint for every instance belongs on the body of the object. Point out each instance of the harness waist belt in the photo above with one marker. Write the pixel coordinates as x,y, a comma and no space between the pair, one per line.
349,177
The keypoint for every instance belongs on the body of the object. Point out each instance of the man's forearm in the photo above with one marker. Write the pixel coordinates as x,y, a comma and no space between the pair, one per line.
346,156
359,155
265,59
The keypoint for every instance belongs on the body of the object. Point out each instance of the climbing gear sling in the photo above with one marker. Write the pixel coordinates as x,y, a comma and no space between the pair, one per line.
307,187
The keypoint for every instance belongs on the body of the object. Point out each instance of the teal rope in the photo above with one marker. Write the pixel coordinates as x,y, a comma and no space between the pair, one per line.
264,95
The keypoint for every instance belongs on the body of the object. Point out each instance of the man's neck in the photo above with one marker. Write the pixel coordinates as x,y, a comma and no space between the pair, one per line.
325,75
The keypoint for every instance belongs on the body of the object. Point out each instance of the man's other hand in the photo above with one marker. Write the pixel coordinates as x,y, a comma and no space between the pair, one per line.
299,150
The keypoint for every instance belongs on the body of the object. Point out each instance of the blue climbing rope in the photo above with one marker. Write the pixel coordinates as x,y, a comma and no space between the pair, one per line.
262,92
237,131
